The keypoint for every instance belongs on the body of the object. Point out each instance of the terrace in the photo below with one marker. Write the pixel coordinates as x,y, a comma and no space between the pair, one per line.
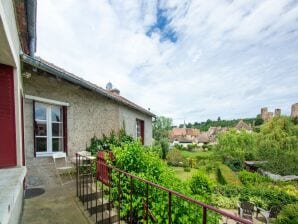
111,195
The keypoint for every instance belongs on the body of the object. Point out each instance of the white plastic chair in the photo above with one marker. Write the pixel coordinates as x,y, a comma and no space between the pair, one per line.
62,166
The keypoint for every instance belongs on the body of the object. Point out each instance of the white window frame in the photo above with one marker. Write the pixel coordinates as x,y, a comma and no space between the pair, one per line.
49,135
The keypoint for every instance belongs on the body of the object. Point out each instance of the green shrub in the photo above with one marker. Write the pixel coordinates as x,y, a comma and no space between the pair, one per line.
288,215
179,146
191,147
187,169
175,158
224,202
252,179
234,164
107,142
134,158
226,176
265,198
200,184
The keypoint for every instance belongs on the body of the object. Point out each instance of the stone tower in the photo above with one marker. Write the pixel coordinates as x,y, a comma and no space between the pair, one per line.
277,112
294,111
264,113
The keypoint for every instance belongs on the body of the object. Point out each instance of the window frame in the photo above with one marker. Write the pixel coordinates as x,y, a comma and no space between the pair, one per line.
140,130
49,129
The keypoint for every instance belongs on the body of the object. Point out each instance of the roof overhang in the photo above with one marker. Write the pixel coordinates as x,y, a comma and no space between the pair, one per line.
40,64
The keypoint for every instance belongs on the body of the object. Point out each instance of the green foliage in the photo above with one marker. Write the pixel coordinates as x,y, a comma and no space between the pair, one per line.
191,147
134,158
224,202
161,127
227,176
187,169
175,158
204,126
252,179
259,120
265,198
164,143
179,146
200,184
234,164
288,215
278,144
237,145
107,142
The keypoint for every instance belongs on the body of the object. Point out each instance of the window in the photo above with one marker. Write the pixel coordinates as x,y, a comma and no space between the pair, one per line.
140,130
48,128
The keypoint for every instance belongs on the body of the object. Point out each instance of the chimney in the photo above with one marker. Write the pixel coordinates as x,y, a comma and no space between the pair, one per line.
115,91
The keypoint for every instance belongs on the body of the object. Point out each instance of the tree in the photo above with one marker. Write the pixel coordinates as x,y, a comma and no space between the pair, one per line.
259,120
278,144
161,127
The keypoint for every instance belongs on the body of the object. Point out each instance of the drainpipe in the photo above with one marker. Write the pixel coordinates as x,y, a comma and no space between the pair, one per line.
31,7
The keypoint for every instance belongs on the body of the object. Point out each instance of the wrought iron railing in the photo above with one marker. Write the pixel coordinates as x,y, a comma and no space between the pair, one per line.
105,200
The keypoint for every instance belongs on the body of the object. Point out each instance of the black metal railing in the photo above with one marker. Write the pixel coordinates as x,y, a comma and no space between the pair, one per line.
114,201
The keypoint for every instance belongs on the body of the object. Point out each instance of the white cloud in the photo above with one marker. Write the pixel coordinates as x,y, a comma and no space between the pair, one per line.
230,58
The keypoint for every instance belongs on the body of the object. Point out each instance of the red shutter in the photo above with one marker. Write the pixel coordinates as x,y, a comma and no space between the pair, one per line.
142,132
65,129
8,155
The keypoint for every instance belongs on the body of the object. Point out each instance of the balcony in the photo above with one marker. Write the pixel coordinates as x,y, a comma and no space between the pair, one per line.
111,195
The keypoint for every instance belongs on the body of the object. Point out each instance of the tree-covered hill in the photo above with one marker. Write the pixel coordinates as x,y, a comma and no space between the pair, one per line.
205,125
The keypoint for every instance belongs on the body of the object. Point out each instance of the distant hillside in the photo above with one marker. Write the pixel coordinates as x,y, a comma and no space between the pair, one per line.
205,125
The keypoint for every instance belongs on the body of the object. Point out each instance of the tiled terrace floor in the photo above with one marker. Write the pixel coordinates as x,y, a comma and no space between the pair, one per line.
58,203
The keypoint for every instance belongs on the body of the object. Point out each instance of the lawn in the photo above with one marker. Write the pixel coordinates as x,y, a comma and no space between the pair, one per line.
194,154
181,174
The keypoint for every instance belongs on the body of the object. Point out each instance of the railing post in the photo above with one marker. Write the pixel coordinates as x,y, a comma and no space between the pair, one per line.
131,189
204,215
109,184
170,208
96,198
119,197
147,202
101,196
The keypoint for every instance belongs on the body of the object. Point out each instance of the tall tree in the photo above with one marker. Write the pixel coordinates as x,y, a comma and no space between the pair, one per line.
161,127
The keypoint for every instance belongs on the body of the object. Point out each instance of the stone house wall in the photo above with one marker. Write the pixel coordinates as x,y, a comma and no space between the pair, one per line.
88,113
128,121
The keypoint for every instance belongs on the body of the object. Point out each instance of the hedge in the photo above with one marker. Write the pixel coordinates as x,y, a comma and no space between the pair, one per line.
226,176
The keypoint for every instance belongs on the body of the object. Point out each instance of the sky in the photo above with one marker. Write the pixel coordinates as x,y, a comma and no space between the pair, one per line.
189,60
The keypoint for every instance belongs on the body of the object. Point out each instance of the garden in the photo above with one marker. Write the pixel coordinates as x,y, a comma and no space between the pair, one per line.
215,175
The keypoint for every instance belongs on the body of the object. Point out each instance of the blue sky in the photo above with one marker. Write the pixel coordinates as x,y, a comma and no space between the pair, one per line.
188,60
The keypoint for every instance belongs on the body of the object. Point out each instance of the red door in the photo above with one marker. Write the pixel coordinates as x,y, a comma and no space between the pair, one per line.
7,118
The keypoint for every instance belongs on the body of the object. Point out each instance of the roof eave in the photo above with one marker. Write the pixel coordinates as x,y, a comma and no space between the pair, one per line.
45,67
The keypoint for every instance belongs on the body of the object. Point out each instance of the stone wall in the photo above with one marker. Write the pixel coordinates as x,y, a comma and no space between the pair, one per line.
88,113
128,121
294,110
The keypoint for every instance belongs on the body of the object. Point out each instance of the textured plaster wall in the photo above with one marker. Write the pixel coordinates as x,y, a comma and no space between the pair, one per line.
89,114
127,119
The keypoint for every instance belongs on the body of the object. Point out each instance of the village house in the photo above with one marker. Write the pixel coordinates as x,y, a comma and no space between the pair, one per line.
243,126
63,112
45,109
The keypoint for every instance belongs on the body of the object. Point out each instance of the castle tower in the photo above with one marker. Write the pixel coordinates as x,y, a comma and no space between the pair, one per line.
277,112
264,113
294,111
